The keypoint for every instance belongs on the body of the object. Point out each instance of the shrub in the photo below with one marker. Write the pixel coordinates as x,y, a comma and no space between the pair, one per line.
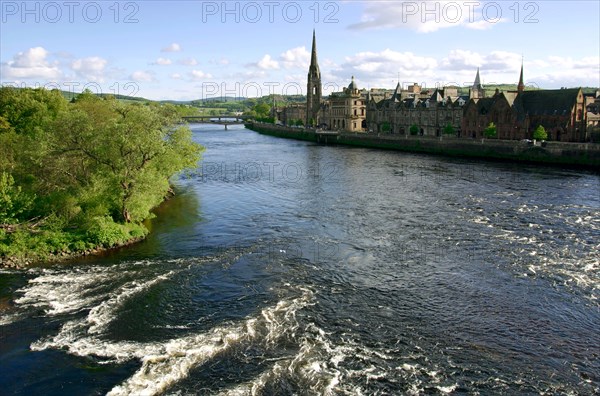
540,133
102,230
414,129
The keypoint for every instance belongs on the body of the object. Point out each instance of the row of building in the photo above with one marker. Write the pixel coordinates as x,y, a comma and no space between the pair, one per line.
566,114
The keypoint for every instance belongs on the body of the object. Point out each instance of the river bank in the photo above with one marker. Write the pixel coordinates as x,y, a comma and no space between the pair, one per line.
25,262
35,257
584,155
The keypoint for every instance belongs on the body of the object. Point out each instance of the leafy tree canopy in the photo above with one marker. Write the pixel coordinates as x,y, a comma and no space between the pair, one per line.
490,131
540,133
449,129
95,158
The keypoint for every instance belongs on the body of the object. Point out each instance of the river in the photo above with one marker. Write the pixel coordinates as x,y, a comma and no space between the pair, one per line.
285,267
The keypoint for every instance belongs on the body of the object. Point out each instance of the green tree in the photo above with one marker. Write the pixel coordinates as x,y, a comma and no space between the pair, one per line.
262,110
70,171
490,131
130,149
449,129
386,127
414,129
299,122
13,202
540,133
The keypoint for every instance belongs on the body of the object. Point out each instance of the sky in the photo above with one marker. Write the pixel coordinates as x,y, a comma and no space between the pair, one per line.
185,50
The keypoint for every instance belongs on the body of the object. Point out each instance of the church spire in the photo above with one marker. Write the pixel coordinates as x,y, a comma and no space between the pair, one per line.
521,86
477,83
477,91
313,88
314,65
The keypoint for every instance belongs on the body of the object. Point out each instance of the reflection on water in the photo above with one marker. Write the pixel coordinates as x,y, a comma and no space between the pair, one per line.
284,267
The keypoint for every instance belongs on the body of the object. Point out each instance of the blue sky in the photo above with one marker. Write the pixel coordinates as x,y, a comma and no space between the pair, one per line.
199,49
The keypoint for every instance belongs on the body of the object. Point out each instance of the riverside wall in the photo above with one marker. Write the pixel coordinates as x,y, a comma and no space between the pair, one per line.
557,153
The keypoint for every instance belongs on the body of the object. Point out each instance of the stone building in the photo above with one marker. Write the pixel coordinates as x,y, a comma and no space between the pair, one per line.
346,110
592,107
291,114
429,112
517,114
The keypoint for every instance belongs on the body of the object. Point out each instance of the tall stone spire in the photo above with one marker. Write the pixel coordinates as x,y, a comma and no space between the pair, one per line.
313,87
314,65
477,90
521,85
477,83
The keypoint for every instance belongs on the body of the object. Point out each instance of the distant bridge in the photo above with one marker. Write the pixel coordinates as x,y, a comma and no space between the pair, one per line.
222,119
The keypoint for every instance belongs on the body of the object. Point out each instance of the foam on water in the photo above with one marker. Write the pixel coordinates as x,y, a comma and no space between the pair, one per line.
163,363
62,292
327,367
570,258
179,356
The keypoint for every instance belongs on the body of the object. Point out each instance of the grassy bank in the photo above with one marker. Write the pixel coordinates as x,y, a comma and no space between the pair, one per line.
46,241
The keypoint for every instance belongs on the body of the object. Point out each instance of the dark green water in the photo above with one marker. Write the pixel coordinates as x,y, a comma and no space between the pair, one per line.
285,267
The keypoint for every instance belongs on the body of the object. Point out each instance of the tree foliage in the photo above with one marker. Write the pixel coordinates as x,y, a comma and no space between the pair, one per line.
490,131
540,133
414,129
386,127
88,163
449,129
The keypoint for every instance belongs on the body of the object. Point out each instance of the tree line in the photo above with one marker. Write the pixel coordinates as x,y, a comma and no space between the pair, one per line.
86,173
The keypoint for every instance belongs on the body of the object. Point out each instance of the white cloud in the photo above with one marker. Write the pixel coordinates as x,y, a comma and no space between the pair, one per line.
222,61
569,63
91,68
298,57
559,71
142,76
459,59
31,64
188,62
176,76
386,63
266,63
426,17
173,47
199,75
162,62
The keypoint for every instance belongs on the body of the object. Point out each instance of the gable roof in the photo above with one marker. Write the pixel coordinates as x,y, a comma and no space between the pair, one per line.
546,102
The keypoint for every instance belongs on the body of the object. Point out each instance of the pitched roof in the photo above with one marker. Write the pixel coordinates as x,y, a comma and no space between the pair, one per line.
552,101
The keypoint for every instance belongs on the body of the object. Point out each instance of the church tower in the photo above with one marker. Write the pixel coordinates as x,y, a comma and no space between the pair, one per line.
477,91
313,88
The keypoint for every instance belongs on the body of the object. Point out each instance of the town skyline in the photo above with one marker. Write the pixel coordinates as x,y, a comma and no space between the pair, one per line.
193,50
